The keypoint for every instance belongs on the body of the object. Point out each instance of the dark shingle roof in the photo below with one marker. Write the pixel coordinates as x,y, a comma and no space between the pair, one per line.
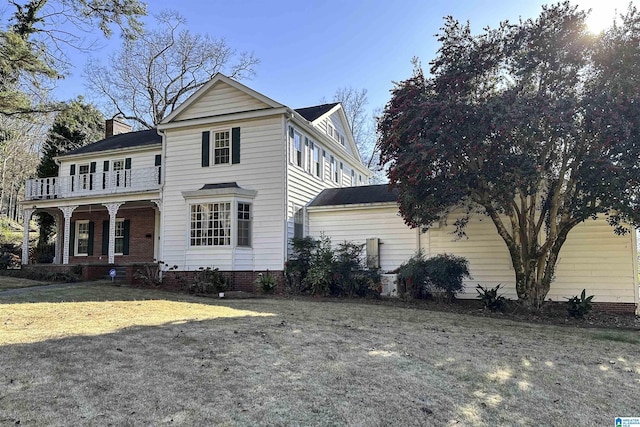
123,140
312,113
220,185
355,195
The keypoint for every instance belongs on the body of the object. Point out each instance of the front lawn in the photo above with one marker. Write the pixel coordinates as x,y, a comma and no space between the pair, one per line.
103,355
8,282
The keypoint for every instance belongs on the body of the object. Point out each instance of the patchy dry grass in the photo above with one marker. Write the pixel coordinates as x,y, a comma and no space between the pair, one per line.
8,282
151,358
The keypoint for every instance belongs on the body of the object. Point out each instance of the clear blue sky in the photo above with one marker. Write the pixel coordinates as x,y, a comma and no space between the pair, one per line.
309,49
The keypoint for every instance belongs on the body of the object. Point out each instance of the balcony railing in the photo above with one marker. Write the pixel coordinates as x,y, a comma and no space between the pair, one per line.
94,184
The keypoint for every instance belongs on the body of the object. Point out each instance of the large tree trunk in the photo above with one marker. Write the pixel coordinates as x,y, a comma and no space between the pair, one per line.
534,264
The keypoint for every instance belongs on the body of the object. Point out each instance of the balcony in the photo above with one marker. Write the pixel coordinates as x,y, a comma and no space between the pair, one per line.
94,184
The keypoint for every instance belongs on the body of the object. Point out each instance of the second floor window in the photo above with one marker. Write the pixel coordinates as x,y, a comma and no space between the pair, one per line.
297,149
221,147
85,179
317,165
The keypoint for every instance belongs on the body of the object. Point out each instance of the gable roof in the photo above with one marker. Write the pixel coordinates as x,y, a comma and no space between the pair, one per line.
381,193
312,113
219,77
120,141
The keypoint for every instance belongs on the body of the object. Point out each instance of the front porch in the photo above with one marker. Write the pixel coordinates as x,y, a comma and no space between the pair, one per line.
101,233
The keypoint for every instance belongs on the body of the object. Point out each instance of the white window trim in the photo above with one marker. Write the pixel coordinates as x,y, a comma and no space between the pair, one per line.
221,195
116,237
77,237
212,155
81,176
237,220
294,152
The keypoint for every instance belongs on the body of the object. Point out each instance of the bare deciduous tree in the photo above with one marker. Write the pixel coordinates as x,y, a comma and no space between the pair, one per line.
363,127
151,75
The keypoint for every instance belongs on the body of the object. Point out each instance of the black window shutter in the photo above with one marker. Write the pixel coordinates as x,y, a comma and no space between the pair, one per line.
72,170
205,149
158,163
92,170
235,145
105,237
72,237
127,163
105,169
291,131
91,234
125,243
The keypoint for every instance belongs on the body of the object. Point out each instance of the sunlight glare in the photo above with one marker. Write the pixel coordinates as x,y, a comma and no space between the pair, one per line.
602,12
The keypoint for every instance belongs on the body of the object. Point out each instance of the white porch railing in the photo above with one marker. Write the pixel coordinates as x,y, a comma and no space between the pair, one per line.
94,184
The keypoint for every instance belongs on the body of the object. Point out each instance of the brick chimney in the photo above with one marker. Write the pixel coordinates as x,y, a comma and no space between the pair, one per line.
116,126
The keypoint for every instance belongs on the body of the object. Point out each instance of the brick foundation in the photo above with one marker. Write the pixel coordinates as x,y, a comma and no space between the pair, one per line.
240,280
614,307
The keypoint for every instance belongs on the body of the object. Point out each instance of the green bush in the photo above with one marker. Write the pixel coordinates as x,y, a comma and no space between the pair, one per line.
412,277
579,306
491,299
316,268
320,273
440,276
350,277
299,263
208,281
266,283
9,256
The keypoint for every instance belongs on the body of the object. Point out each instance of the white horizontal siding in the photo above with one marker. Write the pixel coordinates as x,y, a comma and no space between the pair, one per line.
397,241
139,160
595,259
303,186
592,258
260,169
221,98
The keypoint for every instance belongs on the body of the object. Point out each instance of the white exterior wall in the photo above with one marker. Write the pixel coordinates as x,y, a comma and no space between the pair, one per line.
140,158
302,184
397,241
592,258
221,99
260,169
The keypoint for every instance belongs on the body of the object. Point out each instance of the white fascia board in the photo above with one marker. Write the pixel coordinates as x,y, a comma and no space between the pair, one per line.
245,115
354,206
345,123
218,77
326,141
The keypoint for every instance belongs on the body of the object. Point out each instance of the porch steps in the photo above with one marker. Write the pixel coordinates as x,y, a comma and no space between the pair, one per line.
121,274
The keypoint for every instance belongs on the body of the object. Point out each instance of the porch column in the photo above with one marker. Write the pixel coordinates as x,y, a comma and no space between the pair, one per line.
26,217
113,211
57,258
157,254
67,211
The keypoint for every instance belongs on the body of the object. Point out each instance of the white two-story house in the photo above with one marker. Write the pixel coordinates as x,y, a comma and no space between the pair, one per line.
222,182
230,176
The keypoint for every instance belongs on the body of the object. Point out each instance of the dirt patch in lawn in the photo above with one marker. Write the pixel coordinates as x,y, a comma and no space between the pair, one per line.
300,362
